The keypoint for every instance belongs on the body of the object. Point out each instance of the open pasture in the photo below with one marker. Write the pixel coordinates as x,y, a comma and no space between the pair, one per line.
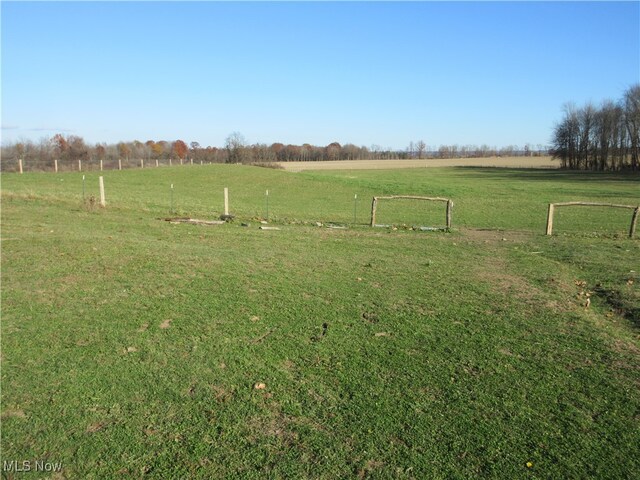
137,348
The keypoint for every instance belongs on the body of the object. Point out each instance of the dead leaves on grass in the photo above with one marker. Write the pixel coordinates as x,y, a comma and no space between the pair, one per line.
584,296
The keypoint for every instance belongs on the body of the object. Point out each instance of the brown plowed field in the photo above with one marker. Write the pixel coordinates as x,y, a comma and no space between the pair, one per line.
505,162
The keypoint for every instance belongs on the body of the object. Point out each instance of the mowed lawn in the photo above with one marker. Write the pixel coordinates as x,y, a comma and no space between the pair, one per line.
137,348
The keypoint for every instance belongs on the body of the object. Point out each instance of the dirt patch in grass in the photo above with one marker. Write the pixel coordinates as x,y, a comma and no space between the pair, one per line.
369,467
276,425
495,272
288,365
96,427
221,394
494,236
13,413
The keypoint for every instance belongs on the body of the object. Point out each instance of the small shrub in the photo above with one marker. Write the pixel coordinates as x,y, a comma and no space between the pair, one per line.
273,165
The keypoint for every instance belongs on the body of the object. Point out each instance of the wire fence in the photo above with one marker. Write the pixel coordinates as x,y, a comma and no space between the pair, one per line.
21,165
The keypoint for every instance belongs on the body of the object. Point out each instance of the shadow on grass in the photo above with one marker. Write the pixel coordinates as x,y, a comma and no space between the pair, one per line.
551,174
621,305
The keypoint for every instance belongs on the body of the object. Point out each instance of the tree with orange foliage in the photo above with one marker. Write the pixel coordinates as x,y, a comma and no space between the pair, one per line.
60,144
180,149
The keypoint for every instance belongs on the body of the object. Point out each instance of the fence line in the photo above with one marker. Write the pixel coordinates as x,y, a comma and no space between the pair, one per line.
56,165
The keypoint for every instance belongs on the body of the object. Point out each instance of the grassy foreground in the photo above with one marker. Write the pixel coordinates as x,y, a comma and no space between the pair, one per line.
136,348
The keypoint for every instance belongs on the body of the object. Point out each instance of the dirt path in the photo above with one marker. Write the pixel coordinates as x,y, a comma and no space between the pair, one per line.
505,162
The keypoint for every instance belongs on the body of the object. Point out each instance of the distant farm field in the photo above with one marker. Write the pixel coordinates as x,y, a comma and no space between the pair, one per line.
133,347
505,162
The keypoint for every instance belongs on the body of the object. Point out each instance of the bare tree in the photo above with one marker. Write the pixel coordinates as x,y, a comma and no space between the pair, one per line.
631,105
600,138
235,144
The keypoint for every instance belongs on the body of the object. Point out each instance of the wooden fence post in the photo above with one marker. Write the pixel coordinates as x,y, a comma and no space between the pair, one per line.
79,165
20,165
141,163
169,161
449,208
550,219
226,201
634,221
119,164
374,203
100,165
157,165
192,161
103,203
55,165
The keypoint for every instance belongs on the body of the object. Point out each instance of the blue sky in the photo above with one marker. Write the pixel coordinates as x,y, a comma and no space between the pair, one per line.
383,73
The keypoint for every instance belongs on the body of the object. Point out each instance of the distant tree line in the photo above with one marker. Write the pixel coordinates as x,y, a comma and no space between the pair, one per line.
70,149
605,138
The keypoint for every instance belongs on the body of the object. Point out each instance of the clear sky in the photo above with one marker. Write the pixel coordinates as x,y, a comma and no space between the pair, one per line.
383,73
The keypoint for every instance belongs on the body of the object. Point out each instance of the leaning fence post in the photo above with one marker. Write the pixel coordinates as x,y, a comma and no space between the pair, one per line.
550,219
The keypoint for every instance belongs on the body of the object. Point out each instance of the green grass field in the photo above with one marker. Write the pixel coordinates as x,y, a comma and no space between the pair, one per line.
132,347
